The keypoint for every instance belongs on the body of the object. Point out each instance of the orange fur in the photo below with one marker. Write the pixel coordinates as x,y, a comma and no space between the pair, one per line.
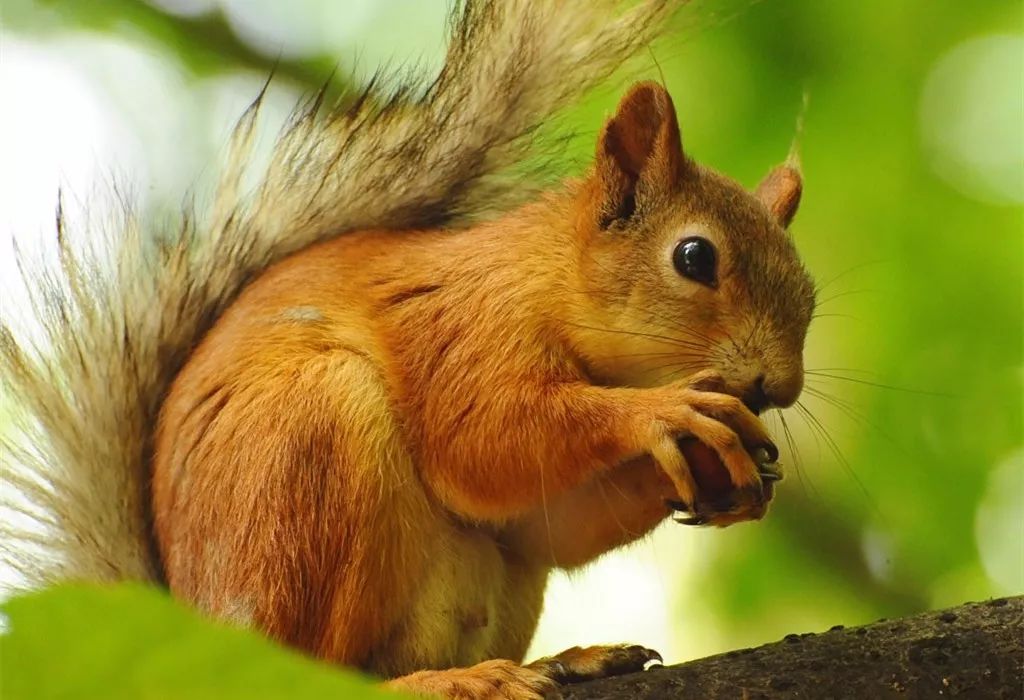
385,444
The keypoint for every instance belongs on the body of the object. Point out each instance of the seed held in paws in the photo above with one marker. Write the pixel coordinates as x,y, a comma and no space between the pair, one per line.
713,482
712,478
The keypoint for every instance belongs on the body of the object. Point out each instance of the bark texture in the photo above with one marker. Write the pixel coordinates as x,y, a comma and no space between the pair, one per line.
972,651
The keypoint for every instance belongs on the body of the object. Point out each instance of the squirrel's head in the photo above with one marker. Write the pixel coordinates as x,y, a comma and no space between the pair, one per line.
684,270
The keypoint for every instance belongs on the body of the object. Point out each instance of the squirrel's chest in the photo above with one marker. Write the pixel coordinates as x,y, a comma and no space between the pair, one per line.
471,604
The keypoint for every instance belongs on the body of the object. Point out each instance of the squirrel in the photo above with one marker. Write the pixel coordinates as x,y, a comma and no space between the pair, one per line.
360,412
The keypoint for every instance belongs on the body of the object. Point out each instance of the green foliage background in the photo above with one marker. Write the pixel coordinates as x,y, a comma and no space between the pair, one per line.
919,504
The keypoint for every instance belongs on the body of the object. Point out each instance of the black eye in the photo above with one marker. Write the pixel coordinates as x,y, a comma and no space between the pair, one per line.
695,258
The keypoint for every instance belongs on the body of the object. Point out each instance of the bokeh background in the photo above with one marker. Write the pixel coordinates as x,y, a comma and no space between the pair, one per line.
906,468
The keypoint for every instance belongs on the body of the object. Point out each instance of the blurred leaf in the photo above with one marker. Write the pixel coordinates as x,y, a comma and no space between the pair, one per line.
203,45
129,641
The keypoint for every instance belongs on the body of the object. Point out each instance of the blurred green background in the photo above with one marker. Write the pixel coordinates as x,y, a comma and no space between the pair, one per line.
906,491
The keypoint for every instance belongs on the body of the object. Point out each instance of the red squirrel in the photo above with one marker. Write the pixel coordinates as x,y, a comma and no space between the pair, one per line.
381,448
390,425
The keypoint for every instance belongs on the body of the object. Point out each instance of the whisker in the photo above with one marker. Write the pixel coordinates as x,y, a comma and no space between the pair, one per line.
673,323
651,336
814,434
865,382
753,329
797,460
681,365
847,316
853,414
679,369
631,355
702,336
818,289
611,510
816,425
547,517
851,370
821,302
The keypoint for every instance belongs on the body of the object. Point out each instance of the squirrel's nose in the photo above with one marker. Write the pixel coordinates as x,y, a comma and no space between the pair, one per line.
773,392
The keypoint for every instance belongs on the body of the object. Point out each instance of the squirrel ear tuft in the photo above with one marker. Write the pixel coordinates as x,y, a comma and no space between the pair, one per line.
639,153
780,192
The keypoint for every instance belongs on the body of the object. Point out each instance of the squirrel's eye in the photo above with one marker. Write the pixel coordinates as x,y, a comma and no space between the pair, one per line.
695,258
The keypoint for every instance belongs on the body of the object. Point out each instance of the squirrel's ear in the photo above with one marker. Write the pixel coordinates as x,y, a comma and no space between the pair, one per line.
780,192
639,155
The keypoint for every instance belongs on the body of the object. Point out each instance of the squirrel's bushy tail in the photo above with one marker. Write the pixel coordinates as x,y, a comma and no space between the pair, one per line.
114,331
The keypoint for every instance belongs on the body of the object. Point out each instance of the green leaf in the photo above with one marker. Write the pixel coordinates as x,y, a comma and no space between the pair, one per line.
131,641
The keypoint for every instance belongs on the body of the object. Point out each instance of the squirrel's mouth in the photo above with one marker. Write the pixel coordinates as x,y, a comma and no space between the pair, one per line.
756,401
756,397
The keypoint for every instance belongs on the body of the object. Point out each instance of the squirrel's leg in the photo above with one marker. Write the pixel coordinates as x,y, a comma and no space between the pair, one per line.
289,504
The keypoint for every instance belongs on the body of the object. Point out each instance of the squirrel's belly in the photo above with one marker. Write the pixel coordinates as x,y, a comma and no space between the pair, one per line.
472,604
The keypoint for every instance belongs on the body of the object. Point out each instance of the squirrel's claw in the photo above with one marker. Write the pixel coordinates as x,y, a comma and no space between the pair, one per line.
696,520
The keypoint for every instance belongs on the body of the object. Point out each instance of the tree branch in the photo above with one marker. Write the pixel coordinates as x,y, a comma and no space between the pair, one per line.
972,651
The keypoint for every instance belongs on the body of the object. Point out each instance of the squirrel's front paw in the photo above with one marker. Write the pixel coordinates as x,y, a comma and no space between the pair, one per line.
725,435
